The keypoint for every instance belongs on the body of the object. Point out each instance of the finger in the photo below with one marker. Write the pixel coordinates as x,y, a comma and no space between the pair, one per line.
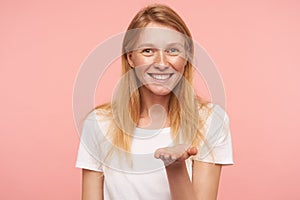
174,157
168,161
164,156
167,157
192,151
158,153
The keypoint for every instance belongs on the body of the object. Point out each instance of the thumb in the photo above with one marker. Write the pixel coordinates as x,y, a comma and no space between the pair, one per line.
192,151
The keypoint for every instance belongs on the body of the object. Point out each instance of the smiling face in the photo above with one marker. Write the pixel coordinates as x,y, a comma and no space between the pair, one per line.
159,58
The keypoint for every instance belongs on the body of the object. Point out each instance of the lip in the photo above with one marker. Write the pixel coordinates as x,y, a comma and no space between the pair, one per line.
160,76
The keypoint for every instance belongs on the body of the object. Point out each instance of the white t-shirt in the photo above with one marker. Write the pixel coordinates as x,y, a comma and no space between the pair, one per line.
145,177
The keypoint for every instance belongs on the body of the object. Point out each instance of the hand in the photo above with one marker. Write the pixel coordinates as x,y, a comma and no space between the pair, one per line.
175,154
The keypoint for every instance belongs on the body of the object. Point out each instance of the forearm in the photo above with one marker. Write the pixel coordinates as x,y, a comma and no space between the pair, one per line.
179,182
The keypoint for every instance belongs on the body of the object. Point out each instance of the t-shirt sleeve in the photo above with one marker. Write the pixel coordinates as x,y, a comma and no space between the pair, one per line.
217,147
89,151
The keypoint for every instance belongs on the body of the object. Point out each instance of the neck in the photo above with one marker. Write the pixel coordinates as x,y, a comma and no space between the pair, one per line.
150,100
154,109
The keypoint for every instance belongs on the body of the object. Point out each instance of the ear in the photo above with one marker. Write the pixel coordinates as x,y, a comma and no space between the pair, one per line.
129,59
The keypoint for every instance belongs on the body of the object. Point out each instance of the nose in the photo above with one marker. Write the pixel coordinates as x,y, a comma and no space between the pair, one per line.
161,62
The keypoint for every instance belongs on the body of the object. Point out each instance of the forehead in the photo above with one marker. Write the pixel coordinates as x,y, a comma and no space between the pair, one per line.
159,36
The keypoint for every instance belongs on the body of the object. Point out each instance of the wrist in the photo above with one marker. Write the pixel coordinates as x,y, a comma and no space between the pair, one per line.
176,166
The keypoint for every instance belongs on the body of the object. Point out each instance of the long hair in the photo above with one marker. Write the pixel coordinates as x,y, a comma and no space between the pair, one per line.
187,125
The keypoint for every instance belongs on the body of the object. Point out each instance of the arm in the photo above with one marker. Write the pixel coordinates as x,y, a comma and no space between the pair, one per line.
205,175
174,160
92,185
206,178
179,182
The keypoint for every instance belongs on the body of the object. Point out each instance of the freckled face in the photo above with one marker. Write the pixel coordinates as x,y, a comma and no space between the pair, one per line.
159,58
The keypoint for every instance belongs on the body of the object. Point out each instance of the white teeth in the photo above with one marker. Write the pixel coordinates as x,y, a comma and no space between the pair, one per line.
161,76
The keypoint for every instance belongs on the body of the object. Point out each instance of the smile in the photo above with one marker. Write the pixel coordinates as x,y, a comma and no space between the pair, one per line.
160,76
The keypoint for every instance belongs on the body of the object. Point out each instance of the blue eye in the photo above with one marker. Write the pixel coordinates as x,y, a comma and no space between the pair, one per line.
173,51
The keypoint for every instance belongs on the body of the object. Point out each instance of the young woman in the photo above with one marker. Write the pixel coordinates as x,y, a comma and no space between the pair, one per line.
156,139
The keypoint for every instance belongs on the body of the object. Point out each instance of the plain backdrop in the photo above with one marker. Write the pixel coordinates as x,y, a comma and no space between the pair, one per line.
255,45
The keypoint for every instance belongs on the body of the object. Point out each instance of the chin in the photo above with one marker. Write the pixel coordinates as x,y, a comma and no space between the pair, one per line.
162,93
159,91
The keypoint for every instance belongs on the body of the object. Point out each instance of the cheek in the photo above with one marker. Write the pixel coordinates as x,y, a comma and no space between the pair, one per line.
139,70
141,60
178,63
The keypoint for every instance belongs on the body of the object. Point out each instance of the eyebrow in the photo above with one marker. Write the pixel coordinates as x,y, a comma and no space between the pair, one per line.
145,45
168,45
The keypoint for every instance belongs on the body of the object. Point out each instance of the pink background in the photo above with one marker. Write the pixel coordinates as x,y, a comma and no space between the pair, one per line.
255,45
